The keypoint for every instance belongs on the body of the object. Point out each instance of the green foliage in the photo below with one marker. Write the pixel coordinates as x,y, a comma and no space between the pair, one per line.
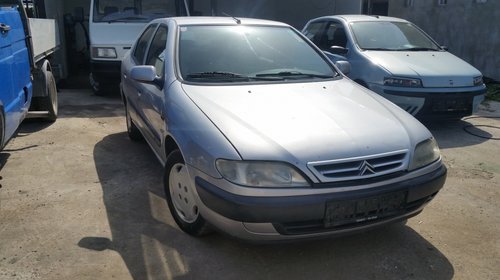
493,91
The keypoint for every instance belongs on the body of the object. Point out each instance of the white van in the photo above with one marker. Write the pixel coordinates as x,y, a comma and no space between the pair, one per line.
114,26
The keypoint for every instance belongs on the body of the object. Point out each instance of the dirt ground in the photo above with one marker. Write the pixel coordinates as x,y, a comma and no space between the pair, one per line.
79,200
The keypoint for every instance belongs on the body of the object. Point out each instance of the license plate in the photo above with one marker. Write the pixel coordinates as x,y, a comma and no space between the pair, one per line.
339,213
449,105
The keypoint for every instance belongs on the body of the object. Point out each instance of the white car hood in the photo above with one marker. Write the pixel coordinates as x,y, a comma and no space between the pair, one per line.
302,122
435,69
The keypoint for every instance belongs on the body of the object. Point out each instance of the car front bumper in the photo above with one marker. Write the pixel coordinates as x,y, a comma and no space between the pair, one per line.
434,103
304,216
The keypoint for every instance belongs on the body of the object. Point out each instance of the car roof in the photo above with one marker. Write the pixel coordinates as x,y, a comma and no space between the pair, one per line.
357,18
220,20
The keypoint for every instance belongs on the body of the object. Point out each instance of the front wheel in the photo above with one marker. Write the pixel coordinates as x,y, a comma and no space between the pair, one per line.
180,198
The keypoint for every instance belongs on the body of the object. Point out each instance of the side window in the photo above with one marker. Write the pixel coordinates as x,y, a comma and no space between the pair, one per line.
315,31
335,36
156,53
142,44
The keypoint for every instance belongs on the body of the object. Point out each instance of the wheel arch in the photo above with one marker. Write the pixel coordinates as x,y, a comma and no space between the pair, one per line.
170,145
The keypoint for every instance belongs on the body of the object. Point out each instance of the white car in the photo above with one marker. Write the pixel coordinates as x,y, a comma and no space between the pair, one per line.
397,60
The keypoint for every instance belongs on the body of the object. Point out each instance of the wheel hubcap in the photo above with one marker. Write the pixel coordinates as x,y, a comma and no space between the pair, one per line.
181,194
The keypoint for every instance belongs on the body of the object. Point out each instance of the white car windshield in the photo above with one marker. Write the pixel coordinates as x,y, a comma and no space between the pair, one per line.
248,53
136,10
391,36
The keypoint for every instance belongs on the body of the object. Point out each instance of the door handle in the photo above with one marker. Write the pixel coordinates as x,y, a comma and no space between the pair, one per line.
4,28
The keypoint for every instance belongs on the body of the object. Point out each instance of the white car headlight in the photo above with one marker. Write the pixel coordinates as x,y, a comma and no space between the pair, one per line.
98,52
478,80
425,153
260,174
402,82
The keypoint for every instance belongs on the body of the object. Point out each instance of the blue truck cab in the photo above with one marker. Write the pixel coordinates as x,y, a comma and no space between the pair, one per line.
26,80
15,75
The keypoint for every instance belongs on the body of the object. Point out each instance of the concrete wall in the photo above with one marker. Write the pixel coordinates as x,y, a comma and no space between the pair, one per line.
471,30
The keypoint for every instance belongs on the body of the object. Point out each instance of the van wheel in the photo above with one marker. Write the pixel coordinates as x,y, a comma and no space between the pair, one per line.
2,130
180,199
49,103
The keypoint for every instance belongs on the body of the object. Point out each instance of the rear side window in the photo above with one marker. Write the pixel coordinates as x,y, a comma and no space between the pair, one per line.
156,53
142,44
314,31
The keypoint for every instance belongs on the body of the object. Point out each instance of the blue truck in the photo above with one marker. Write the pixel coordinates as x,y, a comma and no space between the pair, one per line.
27,85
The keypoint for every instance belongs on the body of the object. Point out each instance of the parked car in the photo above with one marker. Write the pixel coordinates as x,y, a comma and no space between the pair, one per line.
397,60
261,136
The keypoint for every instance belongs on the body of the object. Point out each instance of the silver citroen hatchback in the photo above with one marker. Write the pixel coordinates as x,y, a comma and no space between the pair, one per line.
263,138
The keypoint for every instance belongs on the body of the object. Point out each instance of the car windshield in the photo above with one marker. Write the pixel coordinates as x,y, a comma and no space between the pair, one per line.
135,10
391,36
242,53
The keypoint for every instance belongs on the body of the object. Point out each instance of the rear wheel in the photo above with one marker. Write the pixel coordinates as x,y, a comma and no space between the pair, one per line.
49,103
180,198
132,130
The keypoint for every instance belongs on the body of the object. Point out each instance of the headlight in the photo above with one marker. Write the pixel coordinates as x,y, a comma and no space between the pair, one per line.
260,174
478,80
402,82
426,152
104,52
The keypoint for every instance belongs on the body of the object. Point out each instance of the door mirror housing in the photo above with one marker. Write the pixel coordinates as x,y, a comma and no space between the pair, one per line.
444,48
146,74
343,66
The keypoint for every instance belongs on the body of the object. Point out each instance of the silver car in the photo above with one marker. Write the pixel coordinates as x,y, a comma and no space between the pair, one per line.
397,60
263,138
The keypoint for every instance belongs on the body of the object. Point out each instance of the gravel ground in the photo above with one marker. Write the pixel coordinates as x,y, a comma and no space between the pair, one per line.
79,200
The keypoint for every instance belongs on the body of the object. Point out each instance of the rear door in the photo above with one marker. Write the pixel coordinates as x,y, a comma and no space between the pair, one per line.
133,89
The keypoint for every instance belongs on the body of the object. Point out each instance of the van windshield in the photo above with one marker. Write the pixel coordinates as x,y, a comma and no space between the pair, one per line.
391,36
136,10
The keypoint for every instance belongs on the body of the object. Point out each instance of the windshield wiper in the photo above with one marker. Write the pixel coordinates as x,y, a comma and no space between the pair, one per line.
220,75
417,49
379,49
127,18
287,74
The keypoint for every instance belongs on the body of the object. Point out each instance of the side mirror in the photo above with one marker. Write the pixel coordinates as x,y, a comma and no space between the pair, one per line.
146,74
444,48
78,15
338,50
343,66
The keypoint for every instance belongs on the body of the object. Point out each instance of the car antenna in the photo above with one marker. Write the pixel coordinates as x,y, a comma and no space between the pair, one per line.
238,21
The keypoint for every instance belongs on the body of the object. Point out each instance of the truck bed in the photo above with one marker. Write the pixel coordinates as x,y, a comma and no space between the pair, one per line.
45,37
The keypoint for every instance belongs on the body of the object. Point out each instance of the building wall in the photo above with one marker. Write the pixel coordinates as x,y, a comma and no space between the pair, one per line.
469,29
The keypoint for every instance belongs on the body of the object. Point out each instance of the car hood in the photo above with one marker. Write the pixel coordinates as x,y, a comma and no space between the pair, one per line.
435,69
302,122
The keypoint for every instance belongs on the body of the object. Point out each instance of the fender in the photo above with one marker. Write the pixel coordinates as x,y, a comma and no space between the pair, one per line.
39,78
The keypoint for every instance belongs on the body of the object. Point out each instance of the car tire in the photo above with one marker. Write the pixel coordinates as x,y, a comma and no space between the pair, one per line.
133,132
2,129
180,198
49,103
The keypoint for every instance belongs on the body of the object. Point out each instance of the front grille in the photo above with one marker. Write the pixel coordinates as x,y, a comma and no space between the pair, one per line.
359,168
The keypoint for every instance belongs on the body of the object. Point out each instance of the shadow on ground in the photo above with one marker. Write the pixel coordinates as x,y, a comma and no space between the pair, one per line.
462,133
152,247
